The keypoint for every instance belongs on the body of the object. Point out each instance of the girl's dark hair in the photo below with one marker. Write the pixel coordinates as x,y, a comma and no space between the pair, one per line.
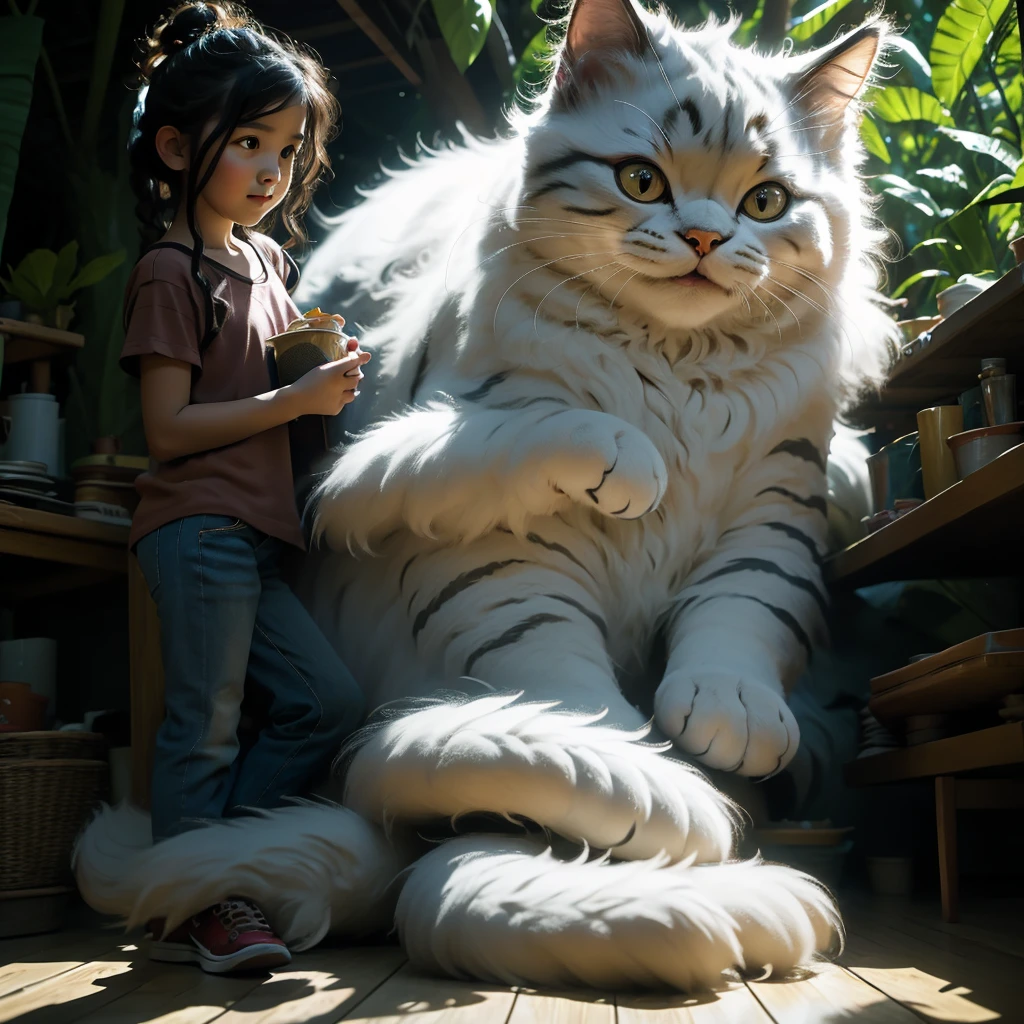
213,60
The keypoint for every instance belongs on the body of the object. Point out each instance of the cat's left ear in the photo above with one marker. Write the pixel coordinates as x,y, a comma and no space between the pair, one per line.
829,79
599,32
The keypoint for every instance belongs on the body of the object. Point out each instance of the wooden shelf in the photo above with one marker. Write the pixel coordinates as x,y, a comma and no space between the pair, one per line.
974,528
986,748
26,342
991,324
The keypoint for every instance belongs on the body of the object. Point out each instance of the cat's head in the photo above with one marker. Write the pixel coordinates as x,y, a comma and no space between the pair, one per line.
694,181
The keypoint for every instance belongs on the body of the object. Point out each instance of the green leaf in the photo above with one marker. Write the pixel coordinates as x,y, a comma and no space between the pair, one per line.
94,271
1008,58
969,226
898,103
21,39
464,25
535,61
961,36
952,174
927,243
921,275
805,27
916,196
37,269
67,260
873,141
978,143
914,60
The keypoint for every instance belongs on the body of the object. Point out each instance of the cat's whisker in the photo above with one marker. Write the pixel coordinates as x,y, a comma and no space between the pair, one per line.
611,302
626,103
778,299
542,266
825,312
536,238
823,286
766,308
622,267
567,280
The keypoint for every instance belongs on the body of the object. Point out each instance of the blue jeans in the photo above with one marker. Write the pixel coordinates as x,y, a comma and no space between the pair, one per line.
225,614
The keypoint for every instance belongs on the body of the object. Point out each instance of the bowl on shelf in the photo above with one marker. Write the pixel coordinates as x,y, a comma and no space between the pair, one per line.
973,449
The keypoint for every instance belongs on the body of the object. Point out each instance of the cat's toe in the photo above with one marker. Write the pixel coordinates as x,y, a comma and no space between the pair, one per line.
727,722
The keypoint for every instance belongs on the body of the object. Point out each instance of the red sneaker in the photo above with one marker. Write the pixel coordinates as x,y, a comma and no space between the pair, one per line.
231,936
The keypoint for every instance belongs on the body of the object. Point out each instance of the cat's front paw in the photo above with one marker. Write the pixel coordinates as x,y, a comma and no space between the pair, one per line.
727,721
611,466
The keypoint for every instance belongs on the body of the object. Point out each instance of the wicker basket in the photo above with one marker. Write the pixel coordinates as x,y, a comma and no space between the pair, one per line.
43,804
49,746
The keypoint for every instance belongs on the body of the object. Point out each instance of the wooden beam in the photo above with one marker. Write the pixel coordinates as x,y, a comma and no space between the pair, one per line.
353,9
330,28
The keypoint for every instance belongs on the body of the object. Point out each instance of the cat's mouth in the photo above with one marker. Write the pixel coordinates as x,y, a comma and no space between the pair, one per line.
694,279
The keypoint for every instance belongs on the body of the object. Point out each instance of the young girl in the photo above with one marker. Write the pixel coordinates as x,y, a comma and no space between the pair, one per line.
231,125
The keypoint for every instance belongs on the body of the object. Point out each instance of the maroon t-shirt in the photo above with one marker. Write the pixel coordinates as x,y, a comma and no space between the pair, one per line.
251,479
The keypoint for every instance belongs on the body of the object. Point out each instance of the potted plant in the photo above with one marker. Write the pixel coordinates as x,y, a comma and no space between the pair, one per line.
44,282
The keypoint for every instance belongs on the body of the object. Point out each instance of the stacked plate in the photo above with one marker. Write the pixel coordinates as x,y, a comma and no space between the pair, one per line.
27,477
28,484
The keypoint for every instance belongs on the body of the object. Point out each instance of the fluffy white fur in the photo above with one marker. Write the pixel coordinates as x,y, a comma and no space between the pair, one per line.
508,911
577,446
313,867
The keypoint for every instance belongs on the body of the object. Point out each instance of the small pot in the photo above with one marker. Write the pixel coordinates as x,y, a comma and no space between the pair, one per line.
974,449
21,710
106,445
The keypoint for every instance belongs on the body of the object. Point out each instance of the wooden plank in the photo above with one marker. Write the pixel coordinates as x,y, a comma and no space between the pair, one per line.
66,550
49,956
175,994
562,1008
411,998
986,748
69,996
942,977
733,1005
27,341
945,827
988,325
954,530
318,988
15,517
828,995
355,11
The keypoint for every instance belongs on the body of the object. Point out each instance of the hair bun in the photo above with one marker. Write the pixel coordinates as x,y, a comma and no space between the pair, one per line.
184,24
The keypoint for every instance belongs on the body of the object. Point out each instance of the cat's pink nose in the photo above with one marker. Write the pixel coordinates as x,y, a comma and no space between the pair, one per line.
702,241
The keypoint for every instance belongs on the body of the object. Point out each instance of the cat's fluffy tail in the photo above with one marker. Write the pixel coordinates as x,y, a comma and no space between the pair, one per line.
311,867
507,911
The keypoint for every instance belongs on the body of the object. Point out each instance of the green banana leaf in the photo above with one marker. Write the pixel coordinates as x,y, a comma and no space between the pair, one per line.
961,36
21,39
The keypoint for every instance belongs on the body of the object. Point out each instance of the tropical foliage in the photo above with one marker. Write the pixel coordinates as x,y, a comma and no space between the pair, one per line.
944,133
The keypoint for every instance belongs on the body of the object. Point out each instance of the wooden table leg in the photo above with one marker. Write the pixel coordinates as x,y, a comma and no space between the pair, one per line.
147,680
945,820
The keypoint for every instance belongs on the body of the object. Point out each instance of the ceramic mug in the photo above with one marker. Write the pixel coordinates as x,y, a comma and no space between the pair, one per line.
34,431
938,468
895,472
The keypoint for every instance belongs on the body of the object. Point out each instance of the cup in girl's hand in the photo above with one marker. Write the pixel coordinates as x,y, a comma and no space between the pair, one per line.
311,341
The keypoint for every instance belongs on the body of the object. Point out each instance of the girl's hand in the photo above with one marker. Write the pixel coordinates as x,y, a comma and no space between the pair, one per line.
327,389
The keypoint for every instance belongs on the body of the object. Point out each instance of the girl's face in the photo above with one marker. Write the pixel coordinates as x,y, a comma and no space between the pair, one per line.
254,172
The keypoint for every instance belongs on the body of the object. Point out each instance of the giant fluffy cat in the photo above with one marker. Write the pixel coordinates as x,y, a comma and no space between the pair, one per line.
615,344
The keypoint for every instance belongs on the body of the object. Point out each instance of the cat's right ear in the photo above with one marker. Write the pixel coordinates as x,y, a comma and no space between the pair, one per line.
599,32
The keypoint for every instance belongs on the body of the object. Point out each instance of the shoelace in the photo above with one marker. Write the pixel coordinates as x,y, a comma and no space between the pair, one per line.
241,916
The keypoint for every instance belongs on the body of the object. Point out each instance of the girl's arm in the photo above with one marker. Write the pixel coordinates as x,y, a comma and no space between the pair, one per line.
175,427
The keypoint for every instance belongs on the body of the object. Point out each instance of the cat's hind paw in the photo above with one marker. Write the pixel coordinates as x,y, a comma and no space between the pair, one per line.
727,721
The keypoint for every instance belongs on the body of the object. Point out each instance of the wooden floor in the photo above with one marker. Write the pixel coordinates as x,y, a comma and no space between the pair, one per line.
901,965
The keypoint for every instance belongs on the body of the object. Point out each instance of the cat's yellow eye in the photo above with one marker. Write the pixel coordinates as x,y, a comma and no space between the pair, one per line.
765,202
642,181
